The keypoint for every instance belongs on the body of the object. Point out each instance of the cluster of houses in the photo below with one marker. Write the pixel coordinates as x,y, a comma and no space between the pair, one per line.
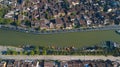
63,14
57,63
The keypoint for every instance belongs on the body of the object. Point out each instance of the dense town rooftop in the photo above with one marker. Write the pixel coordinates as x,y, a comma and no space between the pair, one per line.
60,14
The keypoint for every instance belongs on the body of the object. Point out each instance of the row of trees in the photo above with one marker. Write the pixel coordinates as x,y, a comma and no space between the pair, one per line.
107,48
13,52
115,52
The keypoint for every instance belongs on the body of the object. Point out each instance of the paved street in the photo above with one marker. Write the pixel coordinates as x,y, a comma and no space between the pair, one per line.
53,57
30,30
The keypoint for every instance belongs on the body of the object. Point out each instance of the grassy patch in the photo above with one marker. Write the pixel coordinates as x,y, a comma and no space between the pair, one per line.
78,39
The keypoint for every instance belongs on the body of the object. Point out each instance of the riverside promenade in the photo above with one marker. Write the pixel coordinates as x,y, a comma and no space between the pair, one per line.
58,57
30,30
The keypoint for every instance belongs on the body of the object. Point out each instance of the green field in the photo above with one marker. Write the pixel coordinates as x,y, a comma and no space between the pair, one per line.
78,39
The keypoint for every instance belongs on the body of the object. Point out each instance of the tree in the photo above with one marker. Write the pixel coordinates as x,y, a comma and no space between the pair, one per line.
25,53
3,11
44,52
8,21
105,52
37,28
2,21
116,52
18,22
36,50
47,15
21,53
5,21
14,52
27,23
117,21
48,1
13,23
9,52
65,4
32,52
73,13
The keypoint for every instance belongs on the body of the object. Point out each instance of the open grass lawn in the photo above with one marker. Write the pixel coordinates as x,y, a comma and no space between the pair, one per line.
78,39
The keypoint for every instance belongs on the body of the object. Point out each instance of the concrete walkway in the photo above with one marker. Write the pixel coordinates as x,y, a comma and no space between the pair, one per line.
58,57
